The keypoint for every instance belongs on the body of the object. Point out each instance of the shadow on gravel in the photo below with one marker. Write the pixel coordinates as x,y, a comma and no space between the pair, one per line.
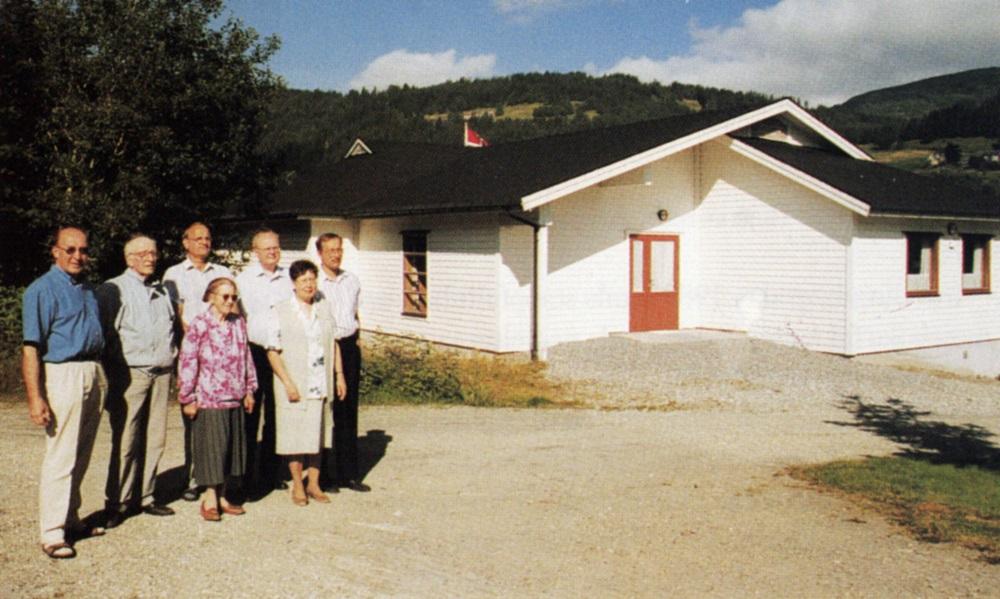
169,485
371,450
930,440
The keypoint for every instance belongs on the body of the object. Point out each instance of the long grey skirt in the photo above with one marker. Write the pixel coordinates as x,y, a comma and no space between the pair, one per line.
219,445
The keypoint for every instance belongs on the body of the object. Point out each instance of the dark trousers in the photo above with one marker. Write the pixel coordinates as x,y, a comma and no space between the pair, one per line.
262,464
345,413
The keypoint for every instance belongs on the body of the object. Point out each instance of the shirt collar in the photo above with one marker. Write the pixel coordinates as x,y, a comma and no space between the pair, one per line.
142,281
188,265
64,274
279,271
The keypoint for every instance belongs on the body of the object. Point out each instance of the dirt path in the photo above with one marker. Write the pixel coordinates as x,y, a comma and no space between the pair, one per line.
490,502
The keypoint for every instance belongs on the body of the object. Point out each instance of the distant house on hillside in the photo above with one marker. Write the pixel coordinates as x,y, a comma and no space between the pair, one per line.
765,221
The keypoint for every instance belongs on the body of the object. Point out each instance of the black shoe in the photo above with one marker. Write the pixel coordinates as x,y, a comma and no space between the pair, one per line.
329,486
356,485
155,509
281,486
190,494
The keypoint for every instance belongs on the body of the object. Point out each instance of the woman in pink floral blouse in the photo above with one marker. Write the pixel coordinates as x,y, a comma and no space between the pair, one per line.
217,378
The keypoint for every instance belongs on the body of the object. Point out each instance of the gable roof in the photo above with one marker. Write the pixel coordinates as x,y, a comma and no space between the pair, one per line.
332,189
888,191
411,178
499,176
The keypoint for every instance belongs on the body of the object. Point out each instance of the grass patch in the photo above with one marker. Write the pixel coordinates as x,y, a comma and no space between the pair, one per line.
399,371
936,502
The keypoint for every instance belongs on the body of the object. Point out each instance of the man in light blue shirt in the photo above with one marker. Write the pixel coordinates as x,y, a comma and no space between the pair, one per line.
65,386
139,323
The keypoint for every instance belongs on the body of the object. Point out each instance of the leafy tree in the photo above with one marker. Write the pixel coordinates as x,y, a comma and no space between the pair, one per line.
952,154
129,115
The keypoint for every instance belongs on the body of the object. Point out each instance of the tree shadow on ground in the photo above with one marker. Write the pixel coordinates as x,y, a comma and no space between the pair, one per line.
930,440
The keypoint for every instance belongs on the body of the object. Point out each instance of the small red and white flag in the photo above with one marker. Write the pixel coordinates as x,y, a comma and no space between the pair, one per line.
473,139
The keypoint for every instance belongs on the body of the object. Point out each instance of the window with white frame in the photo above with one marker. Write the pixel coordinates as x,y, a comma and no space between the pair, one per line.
415,273
921,264
975,264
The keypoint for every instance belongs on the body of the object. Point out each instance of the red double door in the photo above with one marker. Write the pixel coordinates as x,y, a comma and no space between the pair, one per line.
653,282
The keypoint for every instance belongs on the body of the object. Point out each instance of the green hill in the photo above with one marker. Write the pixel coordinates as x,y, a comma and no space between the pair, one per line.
916,99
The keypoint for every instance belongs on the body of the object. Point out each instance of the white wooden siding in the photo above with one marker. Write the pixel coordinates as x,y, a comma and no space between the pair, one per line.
773,255
515,280
588,294
462,282
885,319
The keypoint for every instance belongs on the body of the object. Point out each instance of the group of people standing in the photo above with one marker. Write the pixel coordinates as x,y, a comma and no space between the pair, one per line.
267,366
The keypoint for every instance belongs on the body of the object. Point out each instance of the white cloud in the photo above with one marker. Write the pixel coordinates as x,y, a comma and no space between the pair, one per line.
825,51
422,69
514,6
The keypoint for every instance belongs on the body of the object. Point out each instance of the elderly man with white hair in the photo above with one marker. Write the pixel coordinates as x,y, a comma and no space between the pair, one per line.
139,322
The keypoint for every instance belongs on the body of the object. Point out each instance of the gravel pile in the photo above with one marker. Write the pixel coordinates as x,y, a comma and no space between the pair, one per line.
752,375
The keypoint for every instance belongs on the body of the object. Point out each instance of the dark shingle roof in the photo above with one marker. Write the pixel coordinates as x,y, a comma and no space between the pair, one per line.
331,189
406,178
411,178
888,190
497,177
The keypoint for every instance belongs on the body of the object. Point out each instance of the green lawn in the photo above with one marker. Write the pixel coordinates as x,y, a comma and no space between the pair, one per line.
936,502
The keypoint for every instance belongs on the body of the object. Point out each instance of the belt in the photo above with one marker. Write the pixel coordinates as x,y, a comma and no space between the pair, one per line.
157,370
83,358
352,338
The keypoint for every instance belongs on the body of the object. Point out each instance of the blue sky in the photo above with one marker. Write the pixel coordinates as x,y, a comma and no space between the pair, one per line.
822,51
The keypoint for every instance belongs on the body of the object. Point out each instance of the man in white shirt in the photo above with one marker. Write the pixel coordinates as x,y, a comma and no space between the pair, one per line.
262,285
186,283
342,290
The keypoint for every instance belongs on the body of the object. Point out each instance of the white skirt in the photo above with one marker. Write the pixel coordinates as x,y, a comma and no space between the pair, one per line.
303,426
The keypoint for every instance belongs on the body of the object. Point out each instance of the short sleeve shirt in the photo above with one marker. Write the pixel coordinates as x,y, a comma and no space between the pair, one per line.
60,316
186,284
259,292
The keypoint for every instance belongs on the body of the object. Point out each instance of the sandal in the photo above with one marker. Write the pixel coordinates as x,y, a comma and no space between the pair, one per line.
233,510
59,550
318,495
299,500
210,514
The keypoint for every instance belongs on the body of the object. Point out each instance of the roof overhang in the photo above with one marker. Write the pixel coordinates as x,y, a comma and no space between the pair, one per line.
982,219
846,200
781,107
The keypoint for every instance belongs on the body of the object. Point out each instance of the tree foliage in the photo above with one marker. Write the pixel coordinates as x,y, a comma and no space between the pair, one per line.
126,115
964,119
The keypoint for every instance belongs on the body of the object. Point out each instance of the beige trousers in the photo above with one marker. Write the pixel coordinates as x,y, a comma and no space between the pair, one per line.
137,409
75,392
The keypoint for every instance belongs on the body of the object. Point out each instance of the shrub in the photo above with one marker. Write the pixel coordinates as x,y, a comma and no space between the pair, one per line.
404,371
10,339
399,371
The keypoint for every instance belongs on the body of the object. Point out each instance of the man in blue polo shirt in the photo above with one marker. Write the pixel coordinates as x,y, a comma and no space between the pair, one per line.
65,385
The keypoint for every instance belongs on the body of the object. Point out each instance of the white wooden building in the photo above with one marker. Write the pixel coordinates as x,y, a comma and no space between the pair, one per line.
767,222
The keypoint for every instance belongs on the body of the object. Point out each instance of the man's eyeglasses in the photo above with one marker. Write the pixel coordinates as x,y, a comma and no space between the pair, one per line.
83,251
146,255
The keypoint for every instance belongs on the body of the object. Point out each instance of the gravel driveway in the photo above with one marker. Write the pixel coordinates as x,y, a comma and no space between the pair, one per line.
624,502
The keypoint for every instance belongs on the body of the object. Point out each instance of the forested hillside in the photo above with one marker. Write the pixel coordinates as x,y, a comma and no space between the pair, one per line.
305,127
886,116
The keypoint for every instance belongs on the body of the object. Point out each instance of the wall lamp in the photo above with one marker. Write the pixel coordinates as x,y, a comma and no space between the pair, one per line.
662,214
